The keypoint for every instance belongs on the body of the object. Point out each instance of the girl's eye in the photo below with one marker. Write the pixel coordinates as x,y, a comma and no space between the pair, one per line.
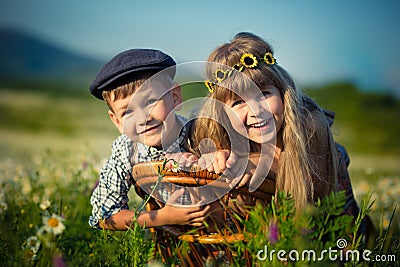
237,102
151,101
266,93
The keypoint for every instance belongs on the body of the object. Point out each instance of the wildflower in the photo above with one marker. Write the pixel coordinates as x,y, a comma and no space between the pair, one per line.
53,224
238,67
35,198
45,204
26,187
273,233
3,206
58,260
220,75
175,166
385,223
269,58
28,253
249,60
209,86
33,244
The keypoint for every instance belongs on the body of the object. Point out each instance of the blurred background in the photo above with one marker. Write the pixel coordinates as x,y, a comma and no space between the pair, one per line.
342,53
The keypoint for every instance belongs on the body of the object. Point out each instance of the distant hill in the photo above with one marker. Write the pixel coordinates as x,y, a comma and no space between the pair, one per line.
29,58
365,122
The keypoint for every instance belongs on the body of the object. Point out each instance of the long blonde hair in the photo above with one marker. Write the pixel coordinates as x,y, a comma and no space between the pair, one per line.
298,168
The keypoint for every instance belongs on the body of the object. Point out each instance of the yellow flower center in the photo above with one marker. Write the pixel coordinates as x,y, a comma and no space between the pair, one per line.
53,222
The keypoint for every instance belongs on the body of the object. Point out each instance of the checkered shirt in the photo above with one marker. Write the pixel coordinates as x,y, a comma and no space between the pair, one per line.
111,194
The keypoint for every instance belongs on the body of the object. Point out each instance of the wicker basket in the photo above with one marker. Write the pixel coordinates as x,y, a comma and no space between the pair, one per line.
224,227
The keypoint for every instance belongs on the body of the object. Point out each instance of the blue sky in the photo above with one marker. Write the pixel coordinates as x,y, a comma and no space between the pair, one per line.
316,41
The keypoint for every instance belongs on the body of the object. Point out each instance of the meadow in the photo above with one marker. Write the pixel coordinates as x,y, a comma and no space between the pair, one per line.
53,145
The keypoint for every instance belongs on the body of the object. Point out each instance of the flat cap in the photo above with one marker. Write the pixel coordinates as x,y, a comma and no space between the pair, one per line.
120,68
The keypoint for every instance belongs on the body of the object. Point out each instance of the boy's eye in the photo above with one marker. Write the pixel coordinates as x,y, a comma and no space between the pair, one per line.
127,112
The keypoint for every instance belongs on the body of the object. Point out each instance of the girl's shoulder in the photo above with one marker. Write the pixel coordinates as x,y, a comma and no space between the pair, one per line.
317,112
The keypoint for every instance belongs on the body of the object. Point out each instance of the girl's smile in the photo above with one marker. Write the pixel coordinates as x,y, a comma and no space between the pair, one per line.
259,114
263,125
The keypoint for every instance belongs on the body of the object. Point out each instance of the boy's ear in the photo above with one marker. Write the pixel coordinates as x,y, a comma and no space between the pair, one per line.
117,122
177,96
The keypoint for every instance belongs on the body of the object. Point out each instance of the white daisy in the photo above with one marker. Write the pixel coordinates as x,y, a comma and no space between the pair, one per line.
3,206
33,244
45,204
54,224
175,167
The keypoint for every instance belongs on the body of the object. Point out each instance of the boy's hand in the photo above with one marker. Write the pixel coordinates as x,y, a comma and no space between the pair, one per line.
217,161
181,215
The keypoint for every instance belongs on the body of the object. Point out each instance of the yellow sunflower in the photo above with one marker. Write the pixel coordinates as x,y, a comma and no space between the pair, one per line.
209,86
269,58
220,75
249,60
238,67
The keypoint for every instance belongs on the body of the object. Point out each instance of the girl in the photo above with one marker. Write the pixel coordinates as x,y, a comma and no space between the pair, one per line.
250,96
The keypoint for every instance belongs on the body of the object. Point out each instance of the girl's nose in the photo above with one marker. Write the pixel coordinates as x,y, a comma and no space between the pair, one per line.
255,108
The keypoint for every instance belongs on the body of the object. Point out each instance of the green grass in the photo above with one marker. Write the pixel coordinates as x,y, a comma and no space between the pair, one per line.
32,122
66,185
53,146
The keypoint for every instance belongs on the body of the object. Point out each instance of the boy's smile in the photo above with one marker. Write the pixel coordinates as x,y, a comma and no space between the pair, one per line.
148,116
150,130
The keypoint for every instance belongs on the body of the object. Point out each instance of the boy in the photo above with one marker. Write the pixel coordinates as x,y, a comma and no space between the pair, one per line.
148,117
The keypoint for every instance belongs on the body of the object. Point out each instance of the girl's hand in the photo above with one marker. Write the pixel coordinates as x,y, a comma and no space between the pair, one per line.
257,169
217,161
184,160
250,169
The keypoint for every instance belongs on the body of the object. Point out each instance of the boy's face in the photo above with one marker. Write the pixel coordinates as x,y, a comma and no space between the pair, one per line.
148,116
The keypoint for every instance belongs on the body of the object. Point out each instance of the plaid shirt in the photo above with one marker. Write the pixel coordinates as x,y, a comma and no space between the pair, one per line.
111,194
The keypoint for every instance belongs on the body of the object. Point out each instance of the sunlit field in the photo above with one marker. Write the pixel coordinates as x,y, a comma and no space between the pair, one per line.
53,147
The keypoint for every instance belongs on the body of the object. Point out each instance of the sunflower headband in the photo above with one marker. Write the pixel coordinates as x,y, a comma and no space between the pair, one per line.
247,60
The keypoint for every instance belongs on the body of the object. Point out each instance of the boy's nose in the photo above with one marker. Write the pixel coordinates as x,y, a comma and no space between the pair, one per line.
143,117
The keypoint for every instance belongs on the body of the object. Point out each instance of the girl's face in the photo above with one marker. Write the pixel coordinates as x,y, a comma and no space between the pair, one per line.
256,114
